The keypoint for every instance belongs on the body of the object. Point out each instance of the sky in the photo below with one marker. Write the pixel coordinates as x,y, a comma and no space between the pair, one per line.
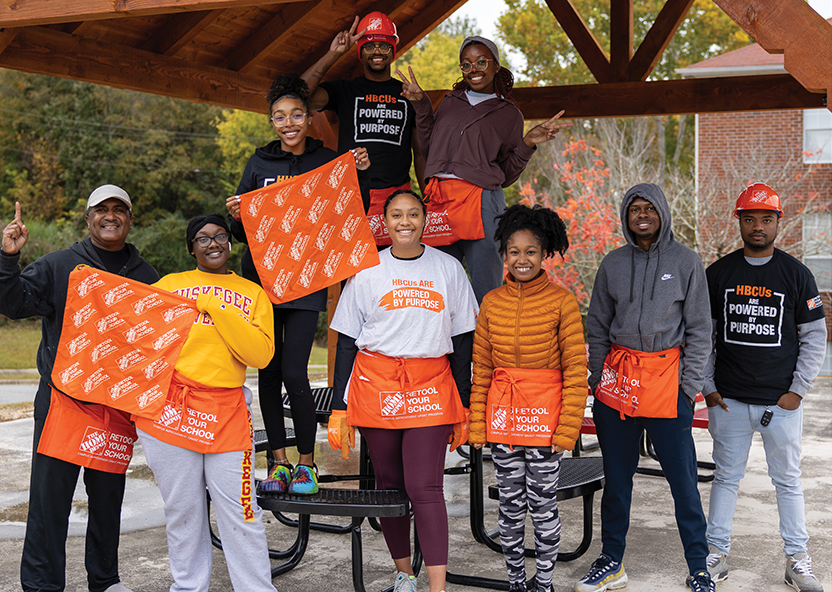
486,12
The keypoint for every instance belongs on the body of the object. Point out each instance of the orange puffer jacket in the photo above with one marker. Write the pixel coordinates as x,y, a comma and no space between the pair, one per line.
531,325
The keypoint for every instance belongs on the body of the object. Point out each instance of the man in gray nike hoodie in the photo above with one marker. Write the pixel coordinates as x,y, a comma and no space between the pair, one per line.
649,296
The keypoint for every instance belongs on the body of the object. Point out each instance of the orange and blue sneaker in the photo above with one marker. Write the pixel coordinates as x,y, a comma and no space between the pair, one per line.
304,480
280,475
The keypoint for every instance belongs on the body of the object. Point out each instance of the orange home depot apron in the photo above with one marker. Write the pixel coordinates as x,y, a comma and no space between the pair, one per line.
454,212
201,418
401,393
375,214
640,384
524,406
92,436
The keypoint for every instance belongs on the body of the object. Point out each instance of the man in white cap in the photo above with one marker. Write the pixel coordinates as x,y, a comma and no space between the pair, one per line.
41,289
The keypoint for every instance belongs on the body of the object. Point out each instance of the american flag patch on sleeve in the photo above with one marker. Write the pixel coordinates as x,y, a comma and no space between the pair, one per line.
813,303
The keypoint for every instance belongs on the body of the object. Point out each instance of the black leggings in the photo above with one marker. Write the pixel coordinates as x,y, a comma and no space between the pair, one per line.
294,331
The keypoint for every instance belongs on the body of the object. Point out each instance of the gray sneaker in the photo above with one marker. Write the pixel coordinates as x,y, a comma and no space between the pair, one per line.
799,573
717,563
404,583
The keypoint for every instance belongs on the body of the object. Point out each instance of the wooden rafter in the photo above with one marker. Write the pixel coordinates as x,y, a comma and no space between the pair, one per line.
582,38
794,29
621,39
649,51
7,36
663,97
179,31
277,31
34,48
45,12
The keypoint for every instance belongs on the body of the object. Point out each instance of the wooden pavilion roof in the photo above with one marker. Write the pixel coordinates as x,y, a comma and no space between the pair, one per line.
226,52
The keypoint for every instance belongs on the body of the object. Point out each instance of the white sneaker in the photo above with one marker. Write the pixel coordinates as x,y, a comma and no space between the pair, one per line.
404,583
118,588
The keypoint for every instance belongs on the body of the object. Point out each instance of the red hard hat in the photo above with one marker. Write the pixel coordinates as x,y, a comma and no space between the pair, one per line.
379,28
758,196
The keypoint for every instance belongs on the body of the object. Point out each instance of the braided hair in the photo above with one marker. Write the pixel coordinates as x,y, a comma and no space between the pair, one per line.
544,223
289,86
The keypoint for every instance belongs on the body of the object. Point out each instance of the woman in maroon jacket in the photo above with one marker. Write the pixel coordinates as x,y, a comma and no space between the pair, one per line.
474,146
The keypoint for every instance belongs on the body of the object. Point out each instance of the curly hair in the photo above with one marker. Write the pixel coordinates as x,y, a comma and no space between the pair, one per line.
546,226
289,86
503,80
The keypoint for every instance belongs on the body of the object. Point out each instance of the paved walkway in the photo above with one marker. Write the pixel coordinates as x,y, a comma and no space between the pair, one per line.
653,561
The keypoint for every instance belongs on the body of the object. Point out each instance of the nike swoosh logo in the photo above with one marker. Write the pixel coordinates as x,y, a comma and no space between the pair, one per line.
667,276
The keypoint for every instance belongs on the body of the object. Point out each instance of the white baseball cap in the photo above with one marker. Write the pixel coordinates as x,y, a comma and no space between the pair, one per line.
105,192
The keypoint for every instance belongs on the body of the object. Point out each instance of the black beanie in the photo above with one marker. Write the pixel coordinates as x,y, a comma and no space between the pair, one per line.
196,224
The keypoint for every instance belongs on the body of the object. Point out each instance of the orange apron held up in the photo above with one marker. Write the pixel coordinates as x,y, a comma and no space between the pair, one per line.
201,418
454,212
640,384
524,406
92,436
375,214
401,393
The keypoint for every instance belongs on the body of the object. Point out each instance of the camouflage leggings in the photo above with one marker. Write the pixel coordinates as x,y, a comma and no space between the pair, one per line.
528,477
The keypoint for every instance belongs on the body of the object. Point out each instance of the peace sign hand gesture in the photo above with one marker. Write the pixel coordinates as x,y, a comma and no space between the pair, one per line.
545,131
410,88
15,234
346,39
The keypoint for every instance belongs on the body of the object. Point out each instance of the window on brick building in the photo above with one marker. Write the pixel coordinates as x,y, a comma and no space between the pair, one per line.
817,247
817,135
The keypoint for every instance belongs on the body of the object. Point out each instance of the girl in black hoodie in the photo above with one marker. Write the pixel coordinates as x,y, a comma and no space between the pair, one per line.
293,153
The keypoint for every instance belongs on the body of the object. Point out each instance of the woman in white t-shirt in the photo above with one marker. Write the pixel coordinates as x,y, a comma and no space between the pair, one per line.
403,376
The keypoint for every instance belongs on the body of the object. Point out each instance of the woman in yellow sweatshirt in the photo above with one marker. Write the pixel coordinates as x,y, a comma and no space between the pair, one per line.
529,386
204,437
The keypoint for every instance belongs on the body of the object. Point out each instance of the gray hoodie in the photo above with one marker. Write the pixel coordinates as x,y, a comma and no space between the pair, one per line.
651,300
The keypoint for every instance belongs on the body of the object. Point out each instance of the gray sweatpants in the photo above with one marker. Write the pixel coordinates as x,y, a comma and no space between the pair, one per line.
183,476
485,265
528,479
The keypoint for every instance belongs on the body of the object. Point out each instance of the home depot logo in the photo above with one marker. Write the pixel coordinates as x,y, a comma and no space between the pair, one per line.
343,200
375,23
117,294
78,344
71,373
154,368
89,284
359,250
102,350
175,312
138,331
171,416
499,418
392,403
255,204
761,197
298,246
281,282
149,396
111,321
349,227
94,441
337,174
317,209
307,274
148,302
289,218
83,315
309,185
272,255
280,197
165,340
95,379
326,232
266,223
331,263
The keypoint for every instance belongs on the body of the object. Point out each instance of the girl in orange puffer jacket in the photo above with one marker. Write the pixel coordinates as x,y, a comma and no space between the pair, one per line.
529,386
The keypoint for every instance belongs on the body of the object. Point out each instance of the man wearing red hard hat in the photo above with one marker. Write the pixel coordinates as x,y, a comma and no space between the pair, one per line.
769,344
371,109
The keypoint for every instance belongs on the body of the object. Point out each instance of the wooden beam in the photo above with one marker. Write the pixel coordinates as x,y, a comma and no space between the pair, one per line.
279,30
582,38
43,12
7,36
46,51
621,39
793,28
667,22
663,97
179,31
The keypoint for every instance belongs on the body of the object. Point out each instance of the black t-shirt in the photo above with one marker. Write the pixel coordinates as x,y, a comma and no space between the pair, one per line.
376,116
758,309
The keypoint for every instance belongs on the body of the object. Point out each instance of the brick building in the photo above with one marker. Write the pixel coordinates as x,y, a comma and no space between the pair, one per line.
791,150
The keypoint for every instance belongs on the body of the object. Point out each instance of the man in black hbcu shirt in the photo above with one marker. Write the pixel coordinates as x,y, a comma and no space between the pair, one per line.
770,339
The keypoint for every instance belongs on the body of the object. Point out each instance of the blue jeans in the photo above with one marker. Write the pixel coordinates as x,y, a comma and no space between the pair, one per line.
732,432
673,442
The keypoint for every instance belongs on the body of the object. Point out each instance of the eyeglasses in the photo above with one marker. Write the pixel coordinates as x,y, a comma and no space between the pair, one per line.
281,120
384,48
480,65
220,239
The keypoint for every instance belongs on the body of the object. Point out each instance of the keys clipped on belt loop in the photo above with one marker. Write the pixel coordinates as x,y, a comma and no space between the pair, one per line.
766,419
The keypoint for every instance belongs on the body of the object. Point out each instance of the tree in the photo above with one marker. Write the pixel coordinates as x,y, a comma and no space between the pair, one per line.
241,132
